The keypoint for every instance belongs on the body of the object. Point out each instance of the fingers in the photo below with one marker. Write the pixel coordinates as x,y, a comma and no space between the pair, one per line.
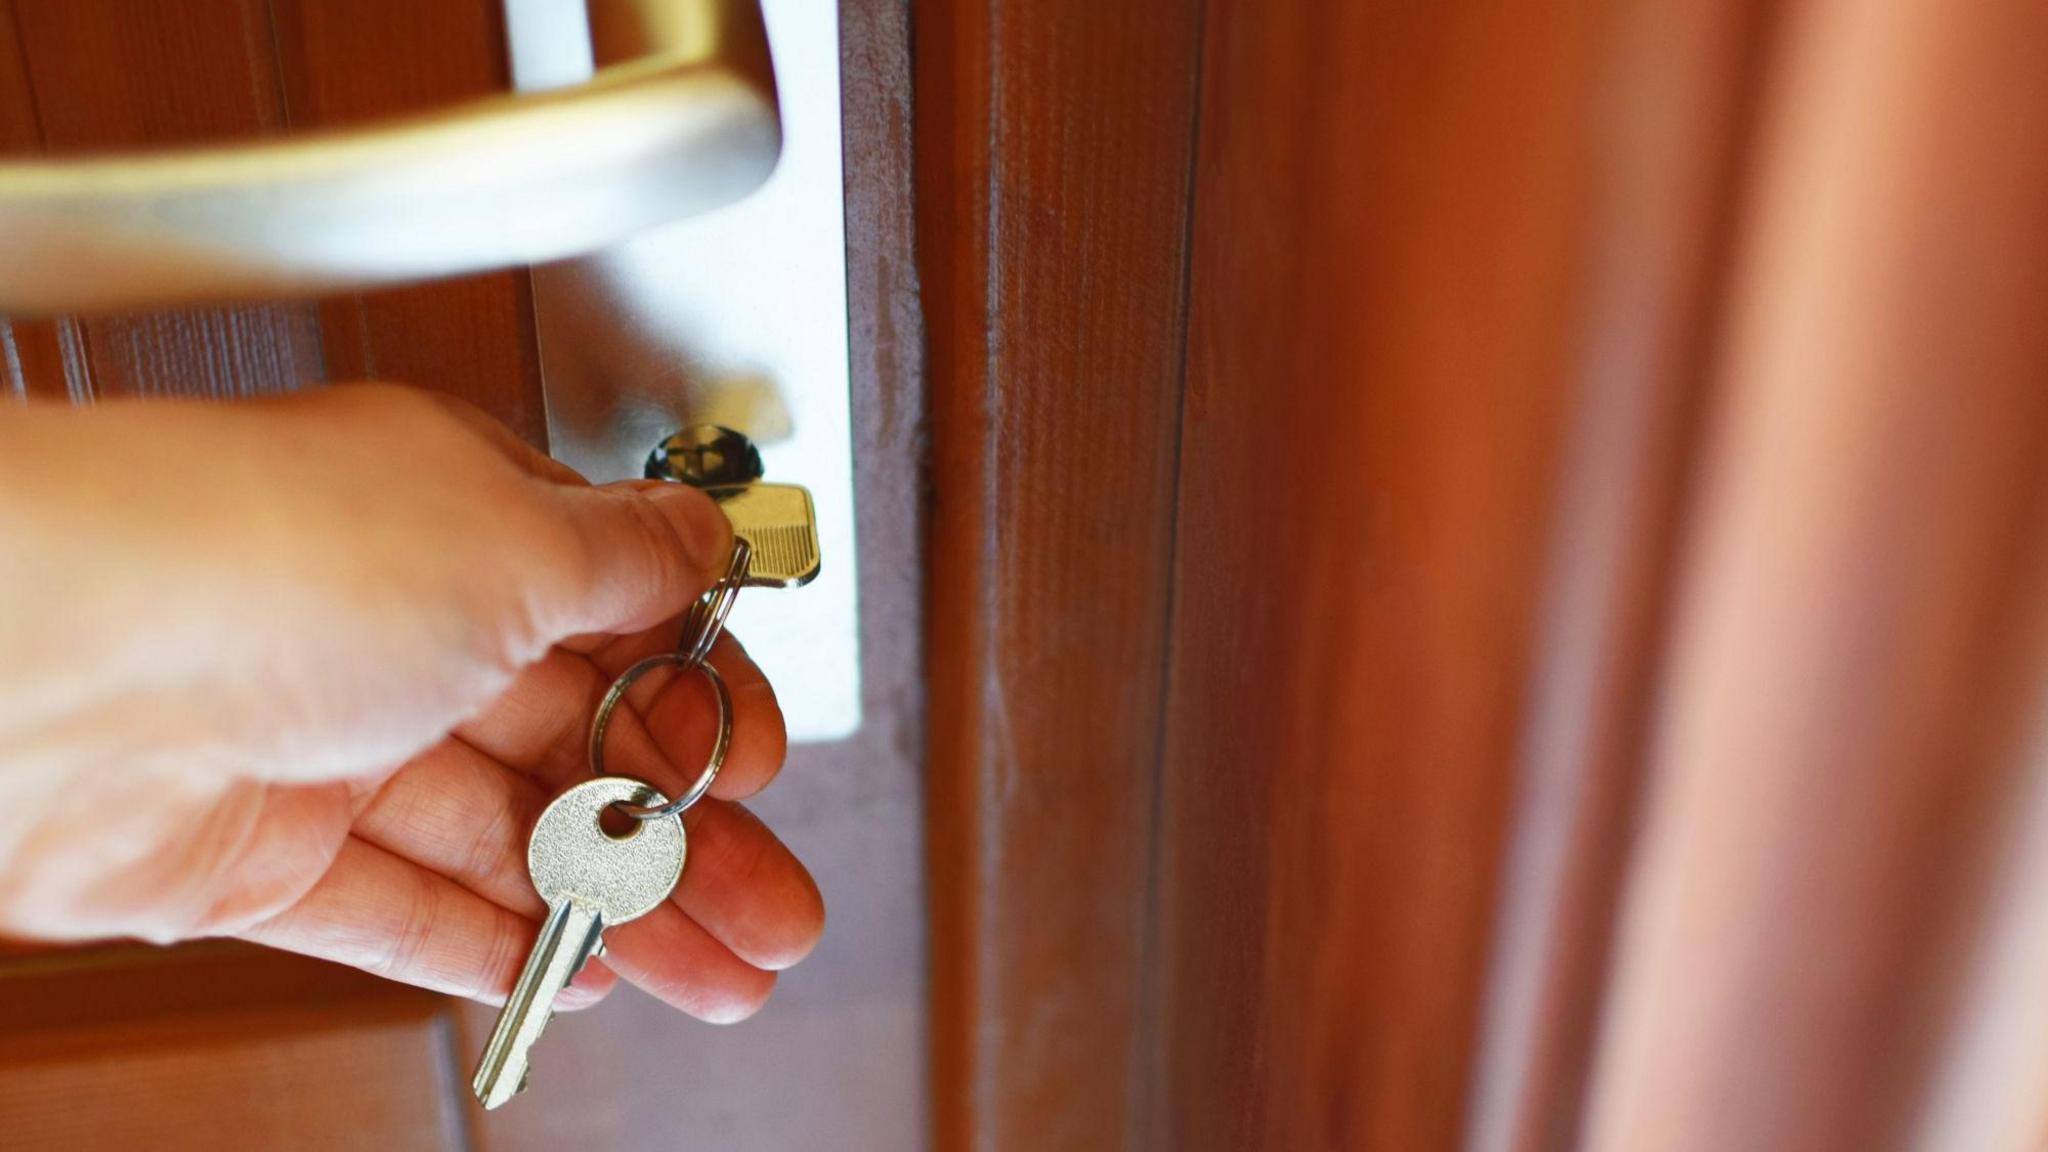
661,733
464,816
673,958
388,916
645,550
644,553
747,888
459,814
745,904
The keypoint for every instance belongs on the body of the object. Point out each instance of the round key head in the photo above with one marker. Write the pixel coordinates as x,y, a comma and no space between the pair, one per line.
621,878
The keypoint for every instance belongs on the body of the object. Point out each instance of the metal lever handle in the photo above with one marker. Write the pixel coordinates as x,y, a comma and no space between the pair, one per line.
686,127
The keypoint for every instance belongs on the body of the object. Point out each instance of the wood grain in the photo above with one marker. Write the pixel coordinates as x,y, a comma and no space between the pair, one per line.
94,75
1517,260
111,75
1053,160
219,1046
33,353
1609,598
19,130
107,74
350,61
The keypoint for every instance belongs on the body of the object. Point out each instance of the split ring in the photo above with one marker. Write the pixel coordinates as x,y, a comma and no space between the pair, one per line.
617,692
706,619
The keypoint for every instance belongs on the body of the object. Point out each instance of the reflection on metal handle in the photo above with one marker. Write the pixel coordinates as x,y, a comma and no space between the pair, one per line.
688,125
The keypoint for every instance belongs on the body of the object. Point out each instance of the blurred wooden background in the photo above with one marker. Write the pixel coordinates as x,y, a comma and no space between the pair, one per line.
1513,540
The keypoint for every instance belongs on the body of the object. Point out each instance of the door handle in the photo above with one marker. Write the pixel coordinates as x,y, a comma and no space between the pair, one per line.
689,125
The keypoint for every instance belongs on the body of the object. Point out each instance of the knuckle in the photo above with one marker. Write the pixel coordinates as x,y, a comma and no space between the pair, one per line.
401,952
492,980
483,857
627,544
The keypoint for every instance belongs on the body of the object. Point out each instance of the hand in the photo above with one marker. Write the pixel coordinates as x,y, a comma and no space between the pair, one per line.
304,670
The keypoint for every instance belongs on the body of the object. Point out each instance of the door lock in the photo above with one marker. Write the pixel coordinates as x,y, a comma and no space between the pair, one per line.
777,521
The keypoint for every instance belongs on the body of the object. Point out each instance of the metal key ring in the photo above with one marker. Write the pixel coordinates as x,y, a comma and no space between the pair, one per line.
617,692
706,619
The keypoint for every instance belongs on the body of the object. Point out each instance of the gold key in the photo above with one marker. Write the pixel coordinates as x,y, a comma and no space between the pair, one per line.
777,521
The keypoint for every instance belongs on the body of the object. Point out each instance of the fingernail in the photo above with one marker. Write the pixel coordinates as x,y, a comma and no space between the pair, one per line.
705,532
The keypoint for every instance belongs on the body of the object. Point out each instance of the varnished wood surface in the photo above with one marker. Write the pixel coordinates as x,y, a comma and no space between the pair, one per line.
1671,126
350,61
1054,143
365,1075
93,75
219,1046
1388,291
104,74
37,358
1831,935
1608,600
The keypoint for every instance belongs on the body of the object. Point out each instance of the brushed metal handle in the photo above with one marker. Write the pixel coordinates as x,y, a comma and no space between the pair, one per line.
686,127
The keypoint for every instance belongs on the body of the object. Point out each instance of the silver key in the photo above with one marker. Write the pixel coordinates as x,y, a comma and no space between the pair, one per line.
591,881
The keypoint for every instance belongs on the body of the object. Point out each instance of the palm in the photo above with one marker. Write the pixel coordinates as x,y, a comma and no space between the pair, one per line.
420,874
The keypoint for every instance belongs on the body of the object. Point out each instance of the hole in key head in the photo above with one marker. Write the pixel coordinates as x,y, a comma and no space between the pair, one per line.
614,822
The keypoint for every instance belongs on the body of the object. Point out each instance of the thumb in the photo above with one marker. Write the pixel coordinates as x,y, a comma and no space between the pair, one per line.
645,552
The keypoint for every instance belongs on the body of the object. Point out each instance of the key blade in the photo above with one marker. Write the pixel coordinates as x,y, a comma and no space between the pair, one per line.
590,880
573,931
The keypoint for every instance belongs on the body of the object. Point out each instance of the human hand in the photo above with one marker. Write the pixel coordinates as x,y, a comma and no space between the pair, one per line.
303,670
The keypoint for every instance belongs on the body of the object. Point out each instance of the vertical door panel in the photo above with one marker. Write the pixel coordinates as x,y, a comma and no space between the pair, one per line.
1053,169
1605,641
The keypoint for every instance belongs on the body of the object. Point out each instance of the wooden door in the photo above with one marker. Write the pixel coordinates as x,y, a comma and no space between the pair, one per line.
1486,586
215,1044
1488,573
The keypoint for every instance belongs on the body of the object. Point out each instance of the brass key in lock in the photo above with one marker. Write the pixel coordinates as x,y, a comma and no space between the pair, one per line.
776,520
